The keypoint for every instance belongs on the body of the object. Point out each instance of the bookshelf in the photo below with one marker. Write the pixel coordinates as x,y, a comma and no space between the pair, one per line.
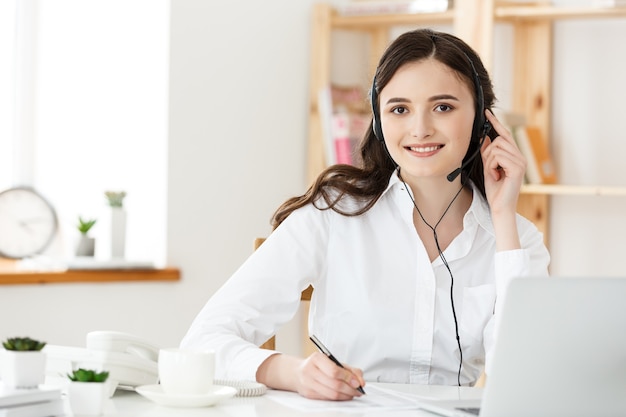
473,21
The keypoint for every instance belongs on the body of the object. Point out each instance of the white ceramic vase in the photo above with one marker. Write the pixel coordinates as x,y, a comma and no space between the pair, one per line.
87,398
118,232
23,369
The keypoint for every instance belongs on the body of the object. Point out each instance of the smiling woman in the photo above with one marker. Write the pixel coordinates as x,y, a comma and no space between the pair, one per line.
91,106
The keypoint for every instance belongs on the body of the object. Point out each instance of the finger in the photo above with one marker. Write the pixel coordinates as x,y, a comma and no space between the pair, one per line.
504,149
357,380
315,384
499,163
499,127
342,381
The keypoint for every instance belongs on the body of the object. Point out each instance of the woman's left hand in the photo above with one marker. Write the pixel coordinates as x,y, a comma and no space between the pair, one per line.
504,166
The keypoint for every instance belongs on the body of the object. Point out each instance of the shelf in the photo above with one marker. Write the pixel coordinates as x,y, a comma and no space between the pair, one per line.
10,276
534,13
510,13
573,190
474,22
367,22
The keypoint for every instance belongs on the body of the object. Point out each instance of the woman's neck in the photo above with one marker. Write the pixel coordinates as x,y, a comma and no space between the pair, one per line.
433,196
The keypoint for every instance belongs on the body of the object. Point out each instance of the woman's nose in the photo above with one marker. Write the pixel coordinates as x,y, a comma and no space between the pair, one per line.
421,125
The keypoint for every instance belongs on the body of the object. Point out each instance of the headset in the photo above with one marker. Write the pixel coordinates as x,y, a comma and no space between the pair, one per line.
480,128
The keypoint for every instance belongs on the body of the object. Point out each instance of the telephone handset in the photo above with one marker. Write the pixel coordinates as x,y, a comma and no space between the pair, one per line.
122,342
130,360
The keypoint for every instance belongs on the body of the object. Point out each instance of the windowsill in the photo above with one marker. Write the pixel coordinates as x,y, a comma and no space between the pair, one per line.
10,275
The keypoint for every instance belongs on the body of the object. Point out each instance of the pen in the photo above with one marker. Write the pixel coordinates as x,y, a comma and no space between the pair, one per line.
326,352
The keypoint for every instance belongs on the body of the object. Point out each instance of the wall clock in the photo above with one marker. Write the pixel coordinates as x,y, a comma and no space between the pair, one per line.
28,222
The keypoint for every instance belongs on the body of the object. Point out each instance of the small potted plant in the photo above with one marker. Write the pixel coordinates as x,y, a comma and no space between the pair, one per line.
24,362
87,391
86,245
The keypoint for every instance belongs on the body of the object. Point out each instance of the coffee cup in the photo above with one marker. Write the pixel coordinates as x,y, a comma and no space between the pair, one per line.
186,371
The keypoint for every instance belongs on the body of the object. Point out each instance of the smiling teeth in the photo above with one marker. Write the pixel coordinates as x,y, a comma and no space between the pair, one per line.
423,150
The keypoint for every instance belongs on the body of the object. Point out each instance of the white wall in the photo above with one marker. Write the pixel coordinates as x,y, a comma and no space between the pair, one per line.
238,125
237,143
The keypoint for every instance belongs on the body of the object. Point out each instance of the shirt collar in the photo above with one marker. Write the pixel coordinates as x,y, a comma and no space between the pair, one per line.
478,212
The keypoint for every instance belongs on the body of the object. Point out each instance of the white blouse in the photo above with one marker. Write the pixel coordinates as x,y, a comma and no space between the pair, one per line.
379,304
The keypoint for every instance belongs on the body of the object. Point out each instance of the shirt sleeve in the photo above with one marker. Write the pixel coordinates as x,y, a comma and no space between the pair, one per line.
530,261
262,295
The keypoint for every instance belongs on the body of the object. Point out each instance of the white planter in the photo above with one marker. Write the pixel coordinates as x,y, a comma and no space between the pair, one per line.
86,246
23,369
87,398
118,232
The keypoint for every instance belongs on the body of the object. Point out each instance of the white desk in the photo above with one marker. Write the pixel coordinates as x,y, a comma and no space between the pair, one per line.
130,404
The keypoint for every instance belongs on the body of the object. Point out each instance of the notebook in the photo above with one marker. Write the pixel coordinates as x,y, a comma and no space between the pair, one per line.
560,351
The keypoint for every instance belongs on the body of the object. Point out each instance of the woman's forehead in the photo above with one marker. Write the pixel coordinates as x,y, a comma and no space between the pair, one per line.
429,75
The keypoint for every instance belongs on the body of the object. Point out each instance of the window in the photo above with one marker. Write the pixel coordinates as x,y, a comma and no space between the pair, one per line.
90,113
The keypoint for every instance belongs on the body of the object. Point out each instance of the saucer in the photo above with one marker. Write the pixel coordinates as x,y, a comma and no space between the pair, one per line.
156,394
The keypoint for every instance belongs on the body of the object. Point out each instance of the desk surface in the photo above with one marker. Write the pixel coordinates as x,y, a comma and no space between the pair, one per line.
130,404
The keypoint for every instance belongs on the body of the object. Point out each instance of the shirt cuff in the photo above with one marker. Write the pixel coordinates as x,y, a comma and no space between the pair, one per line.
247,364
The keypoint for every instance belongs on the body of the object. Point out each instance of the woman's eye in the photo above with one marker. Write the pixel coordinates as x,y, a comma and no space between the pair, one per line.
398,110
443,108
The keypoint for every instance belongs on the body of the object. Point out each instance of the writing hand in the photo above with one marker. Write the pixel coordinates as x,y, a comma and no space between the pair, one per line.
320,378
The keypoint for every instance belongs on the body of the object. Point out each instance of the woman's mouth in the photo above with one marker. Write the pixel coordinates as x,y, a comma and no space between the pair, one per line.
425,149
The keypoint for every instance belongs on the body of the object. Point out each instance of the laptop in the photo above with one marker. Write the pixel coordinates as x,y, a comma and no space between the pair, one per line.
560,351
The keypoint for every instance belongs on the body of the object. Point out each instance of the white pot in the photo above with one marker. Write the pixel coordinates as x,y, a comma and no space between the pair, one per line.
23,369
86,246
87,398
118,232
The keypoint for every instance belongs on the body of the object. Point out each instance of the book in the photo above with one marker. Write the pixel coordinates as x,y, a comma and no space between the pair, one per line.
49,408
341,138
540,168
345,117
10,397
377,7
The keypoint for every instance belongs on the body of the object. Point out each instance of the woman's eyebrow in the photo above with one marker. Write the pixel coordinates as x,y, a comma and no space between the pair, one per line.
433,98
443,97
398,100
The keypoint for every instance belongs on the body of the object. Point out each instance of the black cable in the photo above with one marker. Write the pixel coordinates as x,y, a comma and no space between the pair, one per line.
445,262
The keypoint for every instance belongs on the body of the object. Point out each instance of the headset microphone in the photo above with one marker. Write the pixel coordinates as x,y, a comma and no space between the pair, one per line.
452,176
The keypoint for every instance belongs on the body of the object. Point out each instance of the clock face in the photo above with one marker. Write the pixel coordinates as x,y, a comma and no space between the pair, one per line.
28,223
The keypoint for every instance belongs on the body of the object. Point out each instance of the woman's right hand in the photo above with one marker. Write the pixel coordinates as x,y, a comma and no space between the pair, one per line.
320,378
316,377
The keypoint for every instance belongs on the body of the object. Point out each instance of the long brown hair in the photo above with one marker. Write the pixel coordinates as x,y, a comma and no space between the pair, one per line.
367,181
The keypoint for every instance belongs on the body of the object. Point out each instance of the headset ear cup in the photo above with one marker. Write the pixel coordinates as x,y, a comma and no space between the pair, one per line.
377,130
376,126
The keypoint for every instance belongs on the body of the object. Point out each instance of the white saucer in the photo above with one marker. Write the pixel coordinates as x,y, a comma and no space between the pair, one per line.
156,394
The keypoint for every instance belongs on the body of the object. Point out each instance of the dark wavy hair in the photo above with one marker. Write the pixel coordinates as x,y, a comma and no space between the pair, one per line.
367,181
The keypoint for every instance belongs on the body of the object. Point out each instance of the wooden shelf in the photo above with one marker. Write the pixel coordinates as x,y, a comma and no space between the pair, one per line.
472,21
504,13
534,13
368,22
15,277
573,190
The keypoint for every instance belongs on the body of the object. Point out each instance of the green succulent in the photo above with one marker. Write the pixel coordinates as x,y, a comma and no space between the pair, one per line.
85,225
88,375
23,344
115,198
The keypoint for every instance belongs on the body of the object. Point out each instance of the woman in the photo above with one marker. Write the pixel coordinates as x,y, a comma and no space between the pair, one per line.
409,253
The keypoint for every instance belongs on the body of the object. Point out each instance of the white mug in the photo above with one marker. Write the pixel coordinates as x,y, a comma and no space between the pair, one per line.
185,371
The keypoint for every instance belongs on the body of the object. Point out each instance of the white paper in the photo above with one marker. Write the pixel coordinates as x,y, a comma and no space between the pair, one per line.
376,399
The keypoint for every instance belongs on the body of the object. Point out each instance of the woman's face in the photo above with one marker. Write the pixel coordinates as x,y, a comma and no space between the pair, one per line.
426,113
